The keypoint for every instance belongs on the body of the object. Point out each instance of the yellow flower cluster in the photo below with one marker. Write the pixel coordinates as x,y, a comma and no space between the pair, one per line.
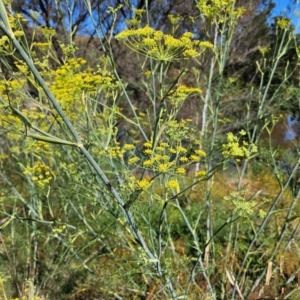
5,45
15,124
43,45
206,44
15,22
174,19
12,90
164,167
200,173
199,154
179,94
38,147
137,18
180,171
165,157
68,86
16,113
283,23
160,159
173,184
71,81
142,184
160,46
179,130
264,50
10,121
116,151
243,207
138,185
128,147
40,173
48,32
233,147
133,160
59,229
219,9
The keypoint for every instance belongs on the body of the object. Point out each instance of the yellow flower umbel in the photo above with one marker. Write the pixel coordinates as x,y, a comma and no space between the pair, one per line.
238,150
179,130
179,94
40,173
220,9
242,207
142,185
246,208
181,171
174,19
159,159
283,23
160,46
72,81
174,185
38,147
200,174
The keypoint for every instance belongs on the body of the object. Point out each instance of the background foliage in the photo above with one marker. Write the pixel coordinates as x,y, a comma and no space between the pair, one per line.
147,157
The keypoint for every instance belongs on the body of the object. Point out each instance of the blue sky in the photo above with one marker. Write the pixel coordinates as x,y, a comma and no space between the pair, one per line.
290,9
